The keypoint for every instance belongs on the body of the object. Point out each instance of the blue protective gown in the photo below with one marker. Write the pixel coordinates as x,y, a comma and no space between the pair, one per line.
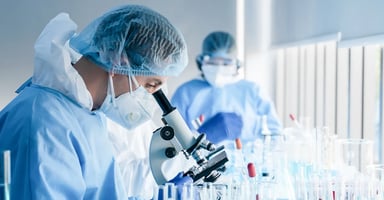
59,148
197,97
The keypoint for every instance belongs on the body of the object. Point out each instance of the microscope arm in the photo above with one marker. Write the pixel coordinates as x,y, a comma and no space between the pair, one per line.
176,137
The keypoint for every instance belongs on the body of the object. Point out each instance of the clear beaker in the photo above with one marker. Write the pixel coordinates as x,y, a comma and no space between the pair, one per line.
221,191
188,192
5,174
168,191
353,157
376,180
354,154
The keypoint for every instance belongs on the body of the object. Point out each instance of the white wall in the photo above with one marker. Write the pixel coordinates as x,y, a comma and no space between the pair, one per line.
298,20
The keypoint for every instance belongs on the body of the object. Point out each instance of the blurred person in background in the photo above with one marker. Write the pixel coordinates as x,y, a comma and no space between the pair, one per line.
230,106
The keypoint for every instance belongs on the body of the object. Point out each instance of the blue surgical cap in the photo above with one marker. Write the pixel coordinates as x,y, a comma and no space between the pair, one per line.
133,40
217,44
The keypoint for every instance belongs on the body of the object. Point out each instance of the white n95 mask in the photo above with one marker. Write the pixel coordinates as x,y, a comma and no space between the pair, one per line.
130,109
220,75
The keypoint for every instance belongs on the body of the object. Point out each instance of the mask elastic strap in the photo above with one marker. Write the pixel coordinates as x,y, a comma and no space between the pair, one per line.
111,89
130,83
133,80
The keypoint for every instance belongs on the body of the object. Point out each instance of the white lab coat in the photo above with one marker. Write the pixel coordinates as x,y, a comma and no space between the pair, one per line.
131,149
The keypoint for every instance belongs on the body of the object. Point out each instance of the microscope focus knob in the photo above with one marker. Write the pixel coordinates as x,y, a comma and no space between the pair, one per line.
170,152
167,133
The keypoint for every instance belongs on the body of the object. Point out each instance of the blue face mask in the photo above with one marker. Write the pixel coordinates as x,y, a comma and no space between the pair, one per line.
130,109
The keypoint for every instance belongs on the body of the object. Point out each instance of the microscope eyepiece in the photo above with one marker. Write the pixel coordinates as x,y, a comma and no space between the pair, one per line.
163,102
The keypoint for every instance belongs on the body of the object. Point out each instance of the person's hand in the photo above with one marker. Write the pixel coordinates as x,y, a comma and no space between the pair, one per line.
222,126
179,180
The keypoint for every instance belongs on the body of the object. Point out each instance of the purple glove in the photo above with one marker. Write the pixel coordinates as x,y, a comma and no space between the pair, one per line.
180,179
222,126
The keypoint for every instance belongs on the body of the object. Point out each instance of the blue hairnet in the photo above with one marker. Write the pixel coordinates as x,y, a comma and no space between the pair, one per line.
217,44
133,40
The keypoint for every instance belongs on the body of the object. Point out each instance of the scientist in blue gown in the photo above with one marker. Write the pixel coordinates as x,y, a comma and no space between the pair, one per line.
219,95
56,126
